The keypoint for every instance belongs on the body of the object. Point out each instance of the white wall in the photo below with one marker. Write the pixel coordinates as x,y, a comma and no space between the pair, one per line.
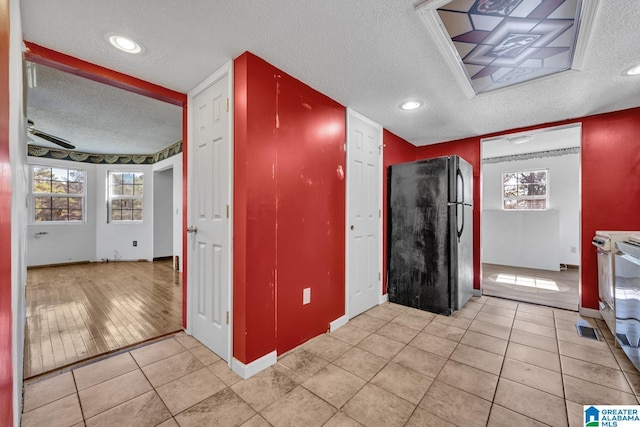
114,241
564,197
522,239
64,242
163,213
96,239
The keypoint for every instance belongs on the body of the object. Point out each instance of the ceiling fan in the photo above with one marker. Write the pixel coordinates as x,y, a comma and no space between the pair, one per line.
46,136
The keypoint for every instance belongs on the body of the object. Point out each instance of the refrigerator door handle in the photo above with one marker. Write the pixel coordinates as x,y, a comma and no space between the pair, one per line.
459,175
460,202
461,229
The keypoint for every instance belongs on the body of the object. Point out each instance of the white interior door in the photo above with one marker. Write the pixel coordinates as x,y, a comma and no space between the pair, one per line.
364,224
209,226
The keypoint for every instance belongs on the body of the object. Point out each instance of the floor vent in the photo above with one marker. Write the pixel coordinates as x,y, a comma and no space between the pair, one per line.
623,339
587,332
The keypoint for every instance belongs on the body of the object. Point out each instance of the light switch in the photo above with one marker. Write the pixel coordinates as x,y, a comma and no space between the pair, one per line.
306,296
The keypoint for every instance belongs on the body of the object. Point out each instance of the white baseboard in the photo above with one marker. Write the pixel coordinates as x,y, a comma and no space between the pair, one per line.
252,368
383,298
477,292
590,312
340,321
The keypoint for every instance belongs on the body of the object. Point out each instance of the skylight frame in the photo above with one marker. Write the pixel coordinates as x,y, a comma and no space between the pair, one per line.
428,12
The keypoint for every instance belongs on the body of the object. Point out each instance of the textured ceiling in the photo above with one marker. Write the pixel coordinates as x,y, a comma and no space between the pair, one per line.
369,55
97,118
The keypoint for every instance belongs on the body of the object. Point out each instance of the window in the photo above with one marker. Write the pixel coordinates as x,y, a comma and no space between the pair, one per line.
126,190
58,194
525,190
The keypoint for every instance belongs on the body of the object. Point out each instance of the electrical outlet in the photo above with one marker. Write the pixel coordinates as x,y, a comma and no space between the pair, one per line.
306,296
573,249
135,243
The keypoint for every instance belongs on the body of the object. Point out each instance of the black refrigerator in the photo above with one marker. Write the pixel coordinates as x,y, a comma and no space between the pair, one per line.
430,234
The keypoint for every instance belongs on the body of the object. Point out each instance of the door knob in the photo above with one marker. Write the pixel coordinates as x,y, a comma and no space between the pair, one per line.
352,227
192,229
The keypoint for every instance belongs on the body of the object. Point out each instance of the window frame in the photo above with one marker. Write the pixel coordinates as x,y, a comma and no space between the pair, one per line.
518,198
111,197
82,196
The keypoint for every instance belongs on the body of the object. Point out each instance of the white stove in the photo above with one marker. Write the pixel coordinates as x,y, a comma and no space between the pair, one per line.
627,292
605,242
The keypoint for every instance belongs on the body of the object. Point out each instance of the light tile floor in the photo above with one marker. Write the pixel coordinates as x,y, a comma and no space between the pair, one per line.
495,362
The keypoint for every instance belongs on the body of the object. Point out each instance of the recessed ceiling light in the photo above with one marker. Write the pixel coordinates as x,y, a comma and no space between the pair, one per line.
124,43
411,105
633,71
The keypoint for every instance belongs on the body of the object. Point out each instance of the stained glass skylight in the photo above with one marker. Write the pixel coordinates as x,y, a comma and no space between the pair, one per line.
505,42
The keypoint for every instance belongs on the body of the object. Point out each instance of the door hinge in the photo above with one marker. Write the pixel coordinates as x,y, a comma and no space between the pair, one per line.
227,105
379,276
227,211
379,213
227,317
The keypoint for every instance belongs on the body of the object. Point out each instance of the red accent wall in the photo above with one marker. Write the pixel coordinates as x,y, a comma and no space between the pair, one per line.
468,149
396,150
610,185
6,365
310,211
254,221
289,208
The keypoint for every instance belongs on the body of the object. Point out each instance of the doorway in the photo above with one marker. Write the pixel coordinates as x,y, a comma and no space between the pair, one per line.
209,230
530,235
364,214
164,210
87,290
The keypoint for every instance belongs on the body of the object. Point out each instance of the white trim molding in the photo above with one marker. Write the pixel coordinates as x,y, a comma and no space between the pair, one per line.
429,14
250,369
588,12
383,298
340,321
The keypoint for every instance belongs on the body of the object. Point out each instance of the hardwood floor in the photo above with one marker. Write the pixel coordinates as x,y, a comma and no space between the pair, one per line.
558,289
81,311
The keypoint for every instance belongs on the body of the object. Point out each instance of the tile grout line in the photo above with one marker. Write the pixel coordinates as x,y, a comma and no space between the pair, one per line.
75,384
495,392
500,376
434,378
154,387
368,381
564,393
387,363
504,356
